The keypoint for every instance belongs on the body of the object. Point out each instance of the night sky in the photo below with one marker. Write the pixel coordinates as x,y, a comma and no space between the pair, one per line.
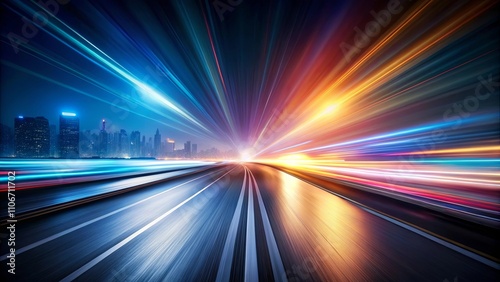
265,77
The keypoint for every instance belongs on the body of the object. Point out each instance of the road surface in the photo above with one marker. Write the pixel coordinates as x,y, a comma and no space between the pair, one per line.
234,222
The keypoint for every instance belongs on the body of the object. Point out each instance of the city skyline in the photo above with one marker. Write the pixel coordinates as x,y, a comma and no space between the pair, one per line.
87,143
96,126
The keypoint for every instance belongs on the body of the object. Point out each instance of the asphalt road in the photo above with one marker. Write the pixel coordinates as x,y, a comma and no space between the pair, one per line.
234,222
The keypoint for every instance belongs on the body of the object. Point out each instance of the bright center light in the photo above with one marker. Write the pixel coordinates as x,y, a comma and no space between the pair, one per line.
246,155
330,109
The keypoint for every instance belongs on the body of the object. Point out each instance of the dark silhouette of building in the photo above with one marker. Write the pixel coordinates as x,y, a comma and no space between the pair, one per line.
157,144
32,137
6,141
143,147
135,144
170,147
149,147
53,141
87,143
103,141
69,135
124,144
194,150
187,149
114,144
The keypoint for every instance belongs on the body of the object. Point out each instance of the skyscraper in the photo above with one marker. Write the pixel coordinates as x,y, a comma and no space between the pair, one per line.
143,147
135,144
69,135
94,144
124,144
103,141
53,141
32,137
194,150
157,145
187,149
6,141
149,148
114,144
85,144
170,146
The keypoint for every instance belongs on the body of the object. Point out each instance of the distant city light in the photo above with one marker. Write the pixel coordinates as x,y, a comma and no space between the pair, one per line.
68,114
20,117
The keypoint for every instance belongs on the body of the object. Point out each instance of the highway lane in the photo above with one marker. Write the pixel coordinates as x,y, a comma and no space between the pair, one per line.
77,234
240,222
472,233
330,239
33,199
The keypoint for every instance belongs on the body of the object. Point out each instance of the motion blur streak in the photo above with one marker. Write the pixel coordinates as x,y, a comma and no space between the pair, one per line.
101,257
421,90
239,220
272,246
42,173
67,231
364,139
224,271
251,268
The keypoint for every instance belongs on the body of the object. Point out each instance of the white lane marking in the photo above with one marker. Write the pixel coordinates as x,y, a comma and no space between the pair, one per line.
251,268
111,250
67,231
424,234
272,246
224,272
